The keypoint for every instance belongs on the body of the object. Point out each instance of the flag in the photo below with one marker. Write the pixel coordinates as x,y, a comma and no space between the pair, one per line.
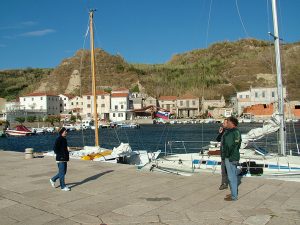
163,115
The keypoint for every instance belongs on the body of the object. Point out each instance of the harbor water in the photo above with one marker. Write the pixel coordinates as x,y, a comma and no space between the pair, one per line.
150,137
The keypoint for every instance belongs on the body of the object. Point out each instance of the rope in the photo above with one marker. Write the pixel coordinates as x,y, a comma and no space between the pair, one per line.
240,17
208,22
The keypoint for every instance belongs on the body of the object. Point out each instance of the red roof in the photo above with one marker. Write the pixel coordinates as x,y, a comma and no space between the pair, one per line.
187,96
168,98
116,95
40,94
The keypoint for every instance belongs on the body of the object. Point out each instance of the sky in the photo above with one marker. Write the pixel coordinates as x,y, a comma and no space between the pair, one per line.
40,34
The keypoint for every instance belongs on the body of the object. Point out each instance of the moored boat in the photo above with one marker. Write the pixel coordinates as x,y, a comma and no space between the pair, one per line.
20,130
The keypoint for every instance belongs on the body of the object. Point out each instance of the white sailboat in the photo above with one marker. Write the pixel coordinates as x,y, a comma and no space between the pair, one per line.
278,165
120,154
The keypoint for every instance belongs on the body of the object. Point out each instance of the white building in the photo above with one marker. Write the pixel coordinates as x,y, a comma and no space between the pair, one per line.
76,104
64,102
41,103
103,105
120,107
255,96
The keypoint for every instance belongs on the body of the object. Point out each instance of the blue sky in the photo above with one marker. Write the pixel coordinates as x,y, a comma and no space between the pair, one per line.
42,33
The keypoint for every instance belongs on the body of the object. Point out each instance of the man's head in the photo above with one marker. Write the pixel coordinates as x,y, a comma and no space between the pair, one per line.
224,123
232,122
63,132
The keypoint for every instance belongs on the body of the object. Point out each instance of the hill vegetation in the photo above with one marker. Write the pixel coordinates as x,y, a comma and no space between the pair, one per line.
14,83
221,69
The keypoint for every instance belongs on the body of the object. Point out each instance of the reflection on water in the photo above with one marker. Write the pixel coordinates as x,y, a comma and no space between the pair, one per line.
149,137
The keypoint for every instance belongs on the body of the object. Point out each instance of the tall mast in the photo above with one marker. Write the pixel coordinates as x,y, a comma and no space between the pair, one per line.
282,130
93,76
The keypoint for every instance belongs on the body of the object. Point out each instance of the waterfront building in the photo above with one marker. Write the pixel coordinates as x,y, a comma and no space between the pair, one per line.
41,103
187,106
120,110
64,102
255,96
168,103
211,104
103,105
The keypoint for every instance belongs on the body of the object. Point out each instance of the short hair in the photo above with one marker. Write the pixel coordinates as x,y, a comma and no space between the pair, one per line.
233,120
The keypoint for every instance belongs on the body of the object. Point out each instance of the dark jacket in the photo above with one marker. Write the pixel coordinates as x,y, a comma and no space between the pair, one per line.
231,145
61,149
220,139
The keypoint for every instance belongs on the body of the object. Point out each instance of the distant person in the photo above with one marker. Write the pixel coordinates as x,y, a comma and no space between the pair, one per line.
231,147
224,182
62,158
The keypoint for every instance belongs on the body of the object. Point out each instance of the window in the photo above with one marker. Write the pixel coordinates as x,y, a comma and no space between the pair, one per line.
41,98
89,105
297,106
102,96
76,103
263,94
24,99
65,98
273,94
194,102
88,97
114,115
122,106
150,101
256,95
32,99
102,105
247,96
89,115
241,96
181,103
116,107
72,103
81,103
120,114
65,105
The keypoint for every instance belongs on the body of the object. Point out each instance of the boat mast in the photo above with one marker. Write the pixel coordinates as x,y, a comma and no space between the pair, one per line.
282,130
93,76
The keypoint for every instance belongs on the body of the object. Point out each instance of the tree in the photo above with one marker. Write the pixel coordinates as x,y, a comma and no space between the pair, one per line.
20,120
73,119
31,119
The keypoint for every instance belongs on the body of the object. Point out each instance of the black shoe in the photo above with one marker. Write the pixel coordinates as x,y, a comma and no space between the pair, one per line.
223,186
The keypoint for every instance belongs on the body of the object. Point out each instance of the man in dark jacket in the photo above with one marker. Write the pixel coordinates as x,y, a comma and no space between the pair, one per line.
231,154
224,182
62,158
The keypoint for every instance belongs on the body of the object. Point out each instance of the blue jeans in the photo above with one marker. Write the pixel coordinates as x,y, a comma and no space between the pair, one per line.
233,178
62,170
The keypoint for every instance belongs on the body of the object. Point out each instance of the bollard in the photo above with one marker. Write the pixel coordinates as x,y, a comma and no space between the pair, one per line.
28,153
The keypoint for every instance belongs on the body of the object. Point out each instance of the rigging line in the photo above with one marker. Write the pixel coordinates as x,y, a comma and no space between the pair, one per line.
270,41
208,23
117,135
80,74
241,20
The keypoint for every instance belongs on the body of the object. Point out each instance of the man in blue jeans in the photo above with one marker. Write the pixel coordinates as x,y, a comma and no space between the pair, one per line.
231,147
62,158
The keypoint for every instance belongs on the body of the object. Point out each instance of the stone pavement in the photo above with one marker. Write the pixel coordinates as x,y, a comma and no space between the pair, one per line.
104,193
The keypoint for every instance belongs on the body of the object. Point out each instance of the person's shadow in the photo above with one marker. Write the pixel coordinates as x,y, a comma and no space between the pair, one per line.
91,178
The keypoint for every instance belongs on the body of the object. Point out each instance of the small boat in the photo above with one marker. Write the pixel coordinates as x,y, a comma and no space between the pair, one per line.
20,130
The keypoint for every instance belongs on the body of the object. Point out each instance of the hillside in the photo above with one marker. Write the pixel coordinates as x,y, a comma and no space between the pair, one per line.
14,83
221,69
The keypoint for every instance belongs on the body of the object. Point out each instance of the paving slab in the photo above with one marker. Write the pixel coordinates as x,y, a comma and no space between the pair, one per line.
104,193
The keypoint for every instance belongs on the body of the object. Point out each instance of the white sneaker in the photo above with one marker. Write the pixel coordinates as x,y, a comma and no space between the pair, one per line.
66,188
52,183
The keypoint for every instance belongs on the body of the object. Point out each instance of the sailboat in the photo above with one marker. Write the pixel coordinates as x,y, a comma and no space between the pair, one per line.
257,160
120,154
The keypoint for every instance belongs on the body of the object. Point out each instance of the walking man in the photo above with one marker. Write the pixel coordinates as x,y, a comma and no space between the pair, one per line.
62,158
224,182
231,147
